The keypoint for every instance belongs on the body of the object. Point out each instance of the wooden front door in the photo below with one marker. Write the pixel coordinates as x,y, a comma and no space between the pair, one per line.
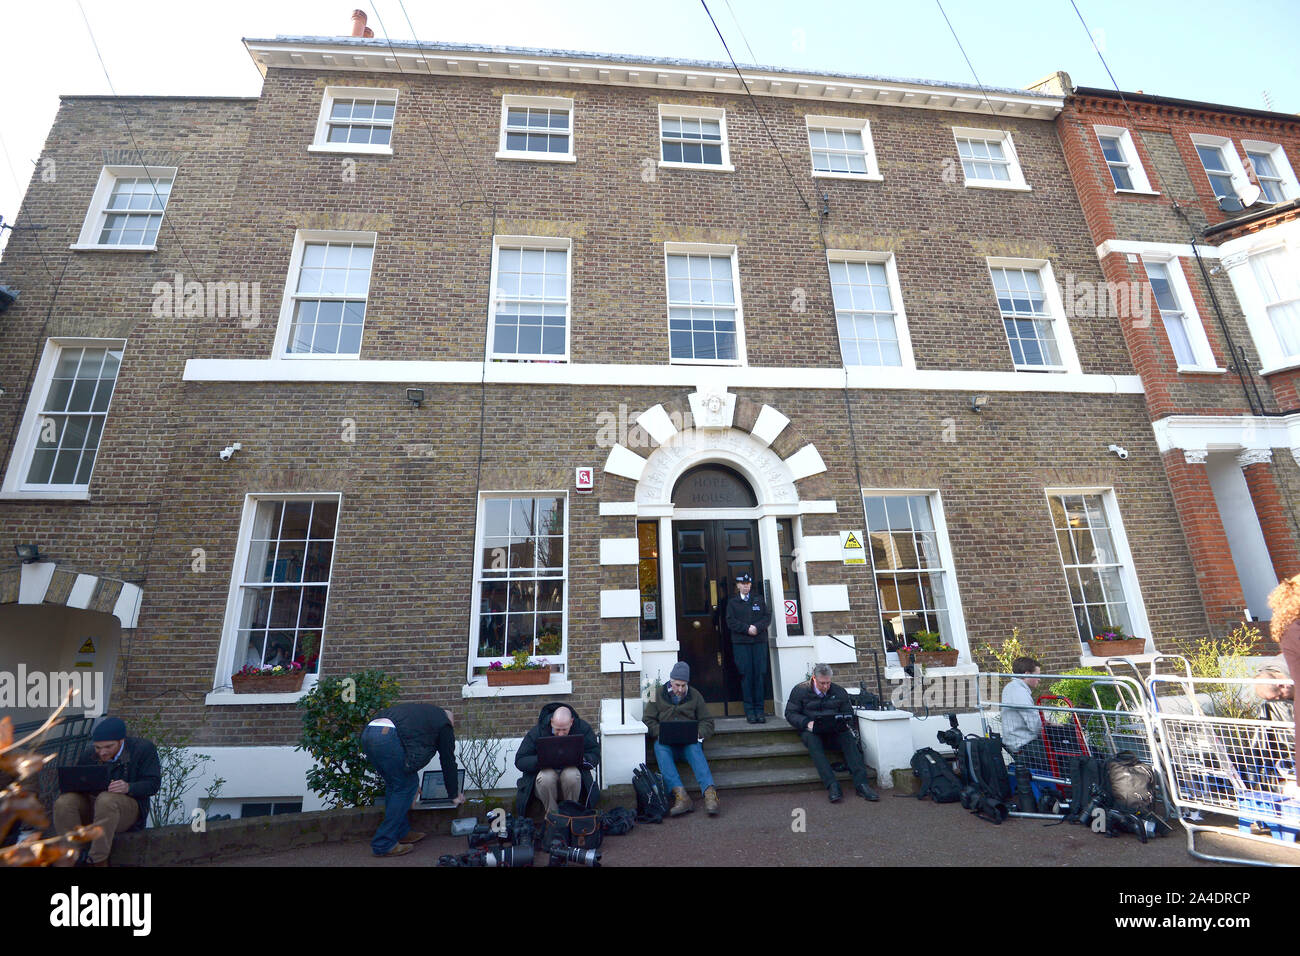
707,558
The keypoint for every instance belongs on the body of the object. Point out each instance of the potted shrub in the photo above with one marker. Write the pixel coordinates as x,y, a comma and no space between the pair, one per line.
929,648
280,679
1113,642
520,670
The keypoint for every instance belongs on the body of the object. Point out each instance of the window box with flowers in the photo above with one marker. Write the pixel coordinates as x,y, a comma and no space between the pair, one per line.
1113,642
280,679
520,670
929,648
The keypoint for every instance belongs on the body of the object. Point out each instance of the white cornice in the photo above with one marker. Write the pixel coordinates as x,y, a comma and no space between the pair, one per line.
372,56
1209,433
409,372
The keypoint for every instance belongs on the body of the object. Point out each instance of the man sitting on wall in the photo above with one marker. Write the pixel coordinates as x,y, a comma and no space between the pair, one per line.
398,741
134,777
1022,728
819,698
572,783
677,700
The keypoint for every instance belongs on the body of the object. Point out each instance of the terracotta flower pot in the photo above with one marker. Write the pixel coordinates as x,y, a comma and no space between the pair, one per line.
505,678
931,658
1124,648
279,684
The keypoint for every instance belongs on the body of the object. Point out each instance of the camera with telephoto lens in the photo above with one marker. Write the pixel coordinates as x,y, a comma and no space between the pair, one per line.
508,856
1124,822
952,737
519,831
561,854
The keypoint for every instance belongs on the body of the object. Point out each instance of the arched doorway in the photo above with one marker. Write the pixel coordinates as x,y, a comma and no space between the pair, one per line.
708,555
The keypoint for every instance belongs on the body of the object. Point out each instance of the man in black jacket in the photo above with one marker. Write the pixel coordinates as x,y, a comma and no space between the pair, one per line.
818,697
134,778
747,620
572,783
398,742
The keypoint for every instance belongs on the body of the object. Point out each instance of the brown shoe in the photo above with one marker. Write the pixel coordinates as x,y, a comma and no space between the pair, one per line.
711,801
398,850
681,802
414,836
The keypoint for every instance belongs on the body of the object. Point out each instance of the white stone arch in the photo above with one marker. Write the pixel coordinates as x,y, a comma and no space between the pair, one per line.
44,582
771,478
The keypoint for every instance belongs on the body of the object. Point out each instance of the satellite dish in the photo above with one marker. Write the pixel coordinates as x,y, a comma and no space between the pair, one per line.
1250,194
1230,204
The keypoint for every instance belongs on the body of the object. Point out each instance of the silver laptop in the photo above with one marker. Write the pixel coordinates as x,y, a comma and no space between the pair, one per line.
433,790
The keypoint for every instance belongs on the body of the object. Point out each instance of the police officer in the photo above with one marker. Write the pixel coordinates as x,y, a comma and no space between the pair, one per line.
747,620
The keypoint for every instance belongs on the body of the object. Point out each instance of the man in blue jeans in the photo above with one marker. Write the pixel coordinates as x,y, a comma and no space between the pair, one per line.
677,700
398,742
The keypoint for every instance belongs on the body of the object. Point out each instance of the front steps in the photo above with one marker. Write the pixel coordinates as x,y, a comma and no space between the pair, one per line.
762,757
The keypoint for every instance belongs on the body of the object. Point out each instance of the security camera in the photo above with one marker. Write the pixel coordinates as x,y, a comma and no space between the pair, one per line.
1120,451
226,453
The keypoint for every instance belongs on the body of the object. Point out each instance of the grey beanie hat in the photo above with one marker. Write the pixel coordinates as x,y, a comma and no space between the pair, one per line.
681,671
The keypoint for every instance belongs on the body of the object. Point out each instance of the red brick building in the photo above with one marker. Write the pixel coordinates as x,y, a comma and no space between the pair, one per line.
322,375
1192,207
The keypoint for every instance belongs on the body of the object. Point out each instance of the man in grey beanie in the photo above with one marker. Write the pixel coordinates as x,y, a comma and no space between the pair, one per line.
134,777
677,700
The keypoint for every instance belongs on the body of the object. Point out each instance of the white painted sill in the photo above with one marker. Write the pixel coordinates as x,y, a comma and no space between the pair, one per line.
1011,187
317,357
45,495
1136,192
1286,366
356,149
526,690
1200,370
223,698
896,672
858,177
729,363
538,157
700,166
91,247
1087,660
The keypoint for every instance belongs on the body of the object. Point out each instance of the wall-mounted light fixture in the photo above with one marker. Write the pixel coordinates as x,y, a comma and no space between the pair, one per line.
27,553
415,396
978,402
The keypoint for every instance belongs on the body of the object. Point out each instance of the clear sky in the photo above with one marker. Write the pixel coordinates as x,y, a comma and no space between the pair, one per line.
1219,52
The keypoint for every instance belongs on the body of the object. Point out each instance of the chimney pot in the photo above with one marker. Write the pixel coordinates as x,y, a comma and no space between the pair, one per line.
359,28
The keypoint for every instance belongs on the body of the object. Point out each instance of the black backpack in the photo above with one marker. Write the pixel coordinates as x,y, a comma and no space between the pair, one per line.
1132,783
617,821
982,766
651,795
937,778
987,787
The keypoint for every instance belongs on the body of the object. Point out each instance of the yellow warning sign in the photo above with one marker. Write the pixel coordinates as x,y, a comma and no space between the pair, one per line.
851,550
88,647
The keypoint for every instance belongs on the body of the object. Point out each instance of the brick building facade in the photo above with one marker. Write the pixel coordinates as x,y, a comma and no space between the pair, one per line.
1162,183
584,262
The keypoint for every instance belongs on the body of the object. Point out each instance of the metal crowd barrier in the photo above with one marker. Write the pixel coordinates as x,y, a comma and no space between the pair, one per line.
1112,717
1231,755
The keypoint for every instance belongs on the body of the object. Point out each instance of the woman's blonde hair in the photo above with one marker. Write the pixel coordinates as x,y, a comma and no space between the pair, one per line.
1285,602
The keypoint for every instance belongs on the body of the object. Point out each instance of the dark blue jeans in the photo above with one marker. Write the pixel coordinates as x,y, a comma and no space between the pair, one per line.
386,754
751,661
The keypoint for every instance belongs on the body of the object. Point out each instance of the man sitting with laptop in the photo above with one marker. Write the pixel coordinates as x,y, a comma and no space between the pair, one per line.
822,714
678,719
554,767
110,785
